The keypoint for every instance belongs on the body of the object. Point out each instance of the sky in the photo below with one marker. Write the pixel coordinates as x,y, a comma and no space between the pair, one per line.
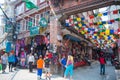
1,2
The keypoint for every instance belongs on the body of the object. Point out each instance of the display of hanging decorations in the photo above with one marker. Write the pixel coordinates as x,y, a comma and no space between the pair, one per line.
95,31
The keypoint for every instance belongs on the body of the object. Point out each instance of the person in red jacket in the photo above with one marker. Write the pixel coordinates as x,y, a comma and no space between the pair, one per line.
102,64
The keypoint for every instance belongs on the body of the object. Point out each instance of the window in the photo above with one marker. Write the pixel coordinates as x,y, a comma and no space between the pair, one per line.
20,9
27,26
18,26
37,17
47,16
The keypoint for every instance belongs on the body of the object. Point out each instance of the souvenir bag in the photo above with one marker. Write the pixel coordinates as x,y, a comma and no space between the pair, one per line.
0,67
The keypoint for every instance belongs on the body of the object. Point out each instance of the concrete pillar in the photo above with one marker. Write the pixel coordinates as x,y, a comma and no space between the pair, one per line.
54,31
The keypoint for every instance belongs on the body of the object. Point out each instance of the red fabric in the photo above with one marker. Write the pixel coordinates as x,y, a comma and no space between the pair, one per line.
115,12
102,60
90,24
91,16
112,20
49,55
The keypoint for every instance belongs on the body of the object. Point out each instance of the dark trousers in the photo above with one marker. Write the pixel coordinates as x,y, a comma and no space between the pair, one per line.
63,70
4,67
11,66
102,69
30,66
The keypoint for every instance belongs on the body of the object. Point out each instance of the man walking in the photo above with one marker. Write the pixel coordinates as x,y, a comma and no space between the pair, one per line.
31,61
63,63
47,67
102,64
11,60
4,60
40,64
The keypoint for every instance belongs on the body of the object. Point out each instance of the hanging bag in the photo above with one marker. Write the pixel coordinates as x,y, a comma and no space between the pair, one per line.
0,67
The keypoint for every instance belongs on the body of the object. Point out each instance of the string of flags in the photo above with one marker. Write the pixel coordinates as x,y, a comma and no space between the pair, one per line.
98,34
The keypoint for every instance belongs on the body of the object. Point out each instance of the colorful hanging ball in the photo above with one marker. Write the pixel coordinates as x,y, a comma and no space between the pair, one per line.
107,32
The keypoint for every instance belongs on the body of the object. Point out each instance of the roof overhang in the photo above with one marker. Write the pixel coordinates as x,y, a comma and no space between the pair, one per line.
88,6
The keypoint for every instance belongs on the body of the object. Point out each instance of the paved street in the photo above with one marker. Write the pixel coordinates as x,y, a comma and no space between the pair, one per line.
82,73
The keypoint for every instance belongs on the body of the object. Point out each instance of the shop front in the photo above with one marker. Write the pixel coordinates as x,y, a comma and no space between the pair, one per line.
80,19
36,44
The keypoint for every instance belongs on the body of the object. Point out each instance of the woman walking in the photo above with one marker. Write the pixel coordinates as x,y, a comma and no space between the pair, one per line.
69,67
11,60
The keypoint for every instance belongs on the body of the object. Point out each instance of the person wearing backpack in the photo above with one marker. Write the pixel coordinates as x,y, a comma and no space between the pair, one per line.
63,62
102,64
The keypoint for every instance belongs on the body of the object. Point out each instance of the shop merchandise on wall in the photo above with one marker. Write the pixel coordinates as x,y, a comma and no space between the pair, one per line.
77,50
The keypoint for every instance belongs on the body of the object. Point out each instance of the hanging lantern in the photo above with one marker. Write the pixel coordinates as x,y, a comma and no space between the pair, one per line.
76,28
99,23
99,14
91,16
67,24
82,32
111,31
100,26
109,37
118,19
116,32
105,37
112,20
75,21
101,33
95,34
96,30
82,28
103,22
90,24
115,12
107,32
80,25
105,14
86,29
79,19
70,20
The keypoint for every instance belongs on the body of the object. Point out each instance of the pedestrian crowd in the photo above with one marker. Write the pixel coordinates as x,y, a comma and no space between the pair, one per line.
43,64
8,59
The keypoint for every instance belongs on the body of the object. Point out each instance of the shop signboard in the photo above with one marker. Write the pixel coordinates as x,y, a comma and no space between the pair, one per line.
43,22
34,31
8,46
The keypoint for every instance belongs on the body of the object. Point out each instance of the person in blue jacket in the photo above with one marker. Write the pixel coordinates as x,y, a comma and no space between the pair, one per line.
63,63
11,61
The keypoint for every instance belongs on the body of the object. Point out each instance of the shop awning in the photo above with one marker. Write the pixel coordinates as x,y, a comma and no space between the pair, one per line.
72,38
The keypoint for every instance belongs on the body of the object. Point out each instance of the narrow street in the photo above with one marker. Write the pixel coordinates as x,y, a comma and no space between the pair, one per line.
82,73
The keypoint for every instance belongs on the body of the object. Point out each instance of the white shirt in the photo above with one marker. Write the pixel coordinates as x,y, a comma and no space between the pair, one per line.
31,59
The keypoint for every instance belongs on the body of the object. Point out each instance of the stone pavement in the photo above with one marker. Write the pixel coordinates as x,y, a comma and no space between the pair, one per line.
82,73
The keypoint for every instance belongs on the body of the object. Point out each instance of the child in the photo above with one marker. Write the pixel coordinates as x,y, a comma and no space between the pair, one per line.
40,64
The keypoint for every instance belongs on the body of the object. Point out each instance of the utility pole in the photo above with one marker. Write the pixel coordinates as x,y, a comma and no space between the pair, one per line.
14,33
